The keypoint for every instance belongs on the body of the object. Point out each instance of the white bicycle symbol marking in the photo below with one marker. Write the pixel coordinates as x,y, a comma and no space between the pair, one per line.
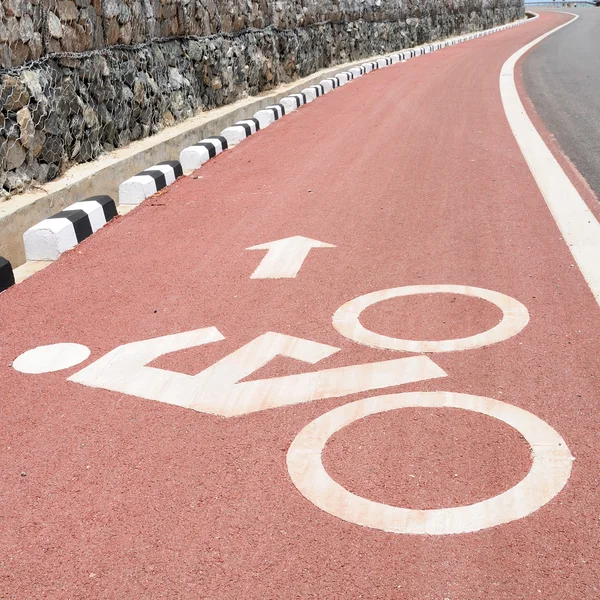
218,390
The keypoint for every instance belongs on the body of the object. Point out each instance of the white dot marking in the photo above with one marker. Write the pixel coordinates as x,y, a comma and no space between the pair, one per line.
55,357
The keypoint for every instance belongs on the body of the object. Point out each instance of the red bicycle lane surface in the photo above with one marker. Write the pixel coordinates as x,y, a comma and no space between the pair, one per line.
413,174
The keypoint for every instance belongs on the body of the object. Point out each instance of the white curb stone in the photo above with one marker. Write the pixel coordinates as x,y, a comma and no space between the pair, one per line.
51,237
356,72
145,184
269,115
290,104
264,117
193,157
343,78
278,110
310,94
300,98
327,85
334,81
319,89
240,131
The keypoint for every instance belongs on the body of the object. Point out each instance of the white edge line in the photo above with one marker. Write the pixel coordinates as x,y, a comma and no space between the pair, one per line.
576,222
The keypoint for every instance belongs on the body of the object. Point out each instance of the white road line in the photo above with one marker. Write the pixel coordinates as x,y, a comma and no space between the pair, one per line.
577,223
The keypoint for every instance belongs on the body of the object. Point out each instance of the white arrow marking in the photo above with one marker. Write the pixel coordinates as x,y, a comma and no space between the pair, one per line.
284,257
218,389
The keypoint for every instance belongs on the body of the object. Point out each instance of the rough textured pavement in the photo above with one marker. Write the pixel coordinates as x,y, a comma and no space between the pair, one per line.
413,174
562,79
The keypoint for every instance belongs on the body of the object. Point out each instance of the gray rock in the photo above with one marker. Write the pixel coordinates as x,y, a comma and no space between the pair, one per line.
101,66
196,50
13,95
55,124
89,150
52,150
136,131
124,15
31,79
8,126
19,53
26,28
111,8
3,151
13,30
15,8
175,79
54,26
126,94
4,33
123,138
75,150
39,138
67,10
41,172
89,116
35,46
14,183
15,155
53,172
26,127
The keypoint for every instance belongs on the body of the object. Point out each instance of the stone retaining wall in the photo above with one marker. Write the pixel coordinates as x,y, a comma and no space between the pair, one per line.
86,76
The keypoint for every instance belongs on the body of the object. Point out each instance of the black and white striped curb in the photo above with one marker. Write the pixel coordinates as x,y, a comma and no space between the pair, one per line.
240,131
368,67
51,237
145,184
291,103
269,115
7,277
194,156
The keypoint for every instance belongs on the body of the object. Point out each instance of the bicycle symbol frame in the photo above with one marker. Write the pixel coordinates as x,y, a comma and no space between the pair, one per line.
219,390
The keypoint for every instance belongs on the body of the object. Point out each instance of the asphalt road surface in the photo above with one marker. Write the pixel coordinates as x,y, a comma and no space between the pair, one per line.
404,405
562,78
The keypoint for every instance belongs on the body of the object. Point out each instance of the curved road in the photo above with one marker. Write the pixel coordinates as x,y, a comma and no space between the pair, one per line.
562,78
237,431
